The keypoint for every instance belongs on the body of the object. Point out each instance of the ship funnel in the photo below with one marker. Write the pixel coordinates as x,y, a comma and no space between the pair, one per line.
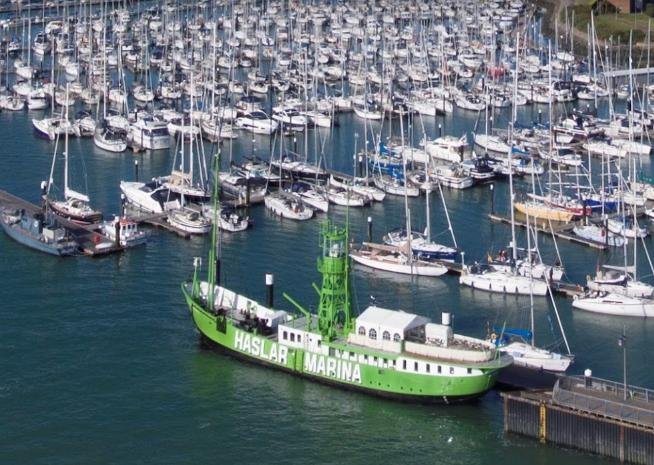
446,318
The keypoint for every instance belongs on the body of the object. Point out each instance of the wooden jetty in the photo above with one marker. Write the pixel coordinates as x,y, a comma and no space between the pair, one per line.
561,230
625,72
90,241
587,413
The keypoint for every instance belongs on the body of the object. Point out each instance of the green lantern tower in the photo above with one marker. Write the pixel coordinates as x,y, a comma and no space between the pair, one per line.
334,308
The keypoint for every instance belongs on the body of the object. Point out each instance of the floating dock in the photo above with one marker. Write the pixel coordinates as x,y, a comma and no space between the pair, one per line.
587,413
560,230
90,241
563,231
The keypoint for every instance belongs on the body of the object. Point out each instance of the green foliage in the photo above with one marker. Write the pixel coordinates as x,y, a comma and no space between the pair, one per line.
610,24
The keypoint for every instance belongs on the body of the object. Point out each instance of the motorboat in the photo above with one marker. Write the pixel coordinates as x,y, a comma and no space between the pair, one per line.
151,197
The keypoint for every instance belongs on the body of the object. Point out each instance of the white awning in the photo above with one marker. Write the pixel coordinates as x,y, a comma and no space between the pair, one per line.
393,321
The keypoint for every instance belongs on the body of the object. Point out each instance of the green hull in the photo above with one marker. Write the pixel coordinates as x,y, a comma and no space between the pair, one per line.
336,368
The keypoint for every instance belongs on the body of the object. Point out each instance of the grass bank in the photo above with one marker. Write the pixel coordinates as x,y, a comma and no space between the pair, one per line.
607,24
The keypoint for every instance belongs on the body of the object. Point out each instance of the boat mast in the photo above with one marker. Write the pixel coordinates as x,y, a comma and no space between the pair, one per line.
629,155
65,111
510,144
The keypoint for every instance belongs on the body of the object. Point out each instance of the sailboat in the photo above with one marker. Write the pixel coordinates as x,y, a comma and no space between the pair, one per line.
188,217
400,256
75,205
616,290
533,366
422,246
506,281
381,352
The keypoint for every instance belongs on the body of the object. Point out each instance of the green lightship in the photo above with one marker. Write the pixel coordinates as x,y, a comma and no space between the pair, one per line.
387,353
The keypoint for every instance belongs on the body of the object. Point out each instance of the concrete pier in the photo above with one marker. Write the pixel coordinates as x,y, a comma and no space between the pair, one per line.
587,413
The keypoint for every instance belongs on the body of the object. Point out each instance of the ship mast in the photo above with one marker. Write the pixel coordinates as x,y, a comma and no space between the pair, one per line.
213,253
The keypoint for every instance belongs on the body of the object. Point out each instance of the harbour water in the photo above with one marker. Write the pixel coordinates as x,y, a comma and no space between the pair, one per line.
102,364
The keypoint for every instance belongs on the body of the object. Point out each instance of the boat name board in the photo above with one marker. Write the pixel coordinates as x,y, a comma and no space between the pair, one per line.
330,367
257,347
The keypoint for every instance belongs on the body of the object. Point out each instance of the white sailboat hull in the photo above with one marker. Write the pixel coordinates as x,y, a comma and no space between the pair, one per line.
536,358
416,268
615,304
279,207
504,283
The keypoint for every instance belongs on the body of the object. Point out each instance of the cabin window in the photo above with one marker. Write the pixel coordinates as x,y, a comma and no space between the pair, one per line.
299,338
396,337
451,370
439,369
285,335
428,368
319,341
362,331
469,371
374,360
292,337
386,336
372,334
404,364
415,366
394,363
385,362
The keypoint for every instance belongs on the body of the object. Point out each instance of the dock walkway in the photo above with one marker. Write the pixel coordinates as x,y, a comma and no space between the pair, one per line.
560,230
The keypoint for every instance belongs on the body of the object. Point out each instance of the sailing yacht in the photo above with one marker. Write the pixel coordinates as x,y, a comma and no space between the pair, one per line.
287,206
188,184
533,367
610,303
110,139
358,186
311,194
189,219
75,205
619,280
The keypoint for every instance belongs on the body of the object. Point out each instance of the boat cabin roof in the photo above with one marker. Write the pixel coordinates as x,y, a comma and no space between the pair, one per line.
394,321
